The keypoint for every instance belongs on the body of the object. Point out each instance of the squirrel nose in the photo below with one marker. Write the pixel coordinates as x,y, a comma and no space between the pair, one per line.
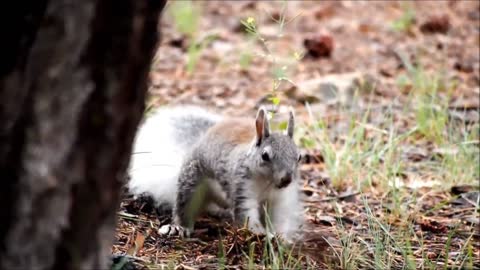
285,181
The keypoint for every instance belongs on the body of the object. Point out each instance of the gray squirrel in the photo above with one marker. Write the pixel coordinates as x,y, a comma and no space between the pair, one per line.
193,160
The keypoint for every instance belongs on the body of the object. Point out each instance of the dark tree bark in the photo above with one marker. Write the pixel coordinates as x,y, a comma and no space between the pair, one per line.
72,90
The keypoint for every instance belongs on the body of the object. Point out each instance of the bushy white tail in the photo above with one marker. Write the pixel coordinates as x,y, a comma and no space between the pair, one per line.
160,146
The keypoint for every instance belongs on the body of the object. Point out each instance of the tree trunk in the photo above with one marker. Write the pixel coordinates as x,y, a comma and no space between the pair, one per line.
72,90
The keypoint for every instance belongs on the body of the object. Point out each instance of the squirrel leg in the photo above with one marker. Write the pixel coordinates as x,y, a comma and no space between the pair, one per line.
287,213
218,204
247,210
216,211
191,199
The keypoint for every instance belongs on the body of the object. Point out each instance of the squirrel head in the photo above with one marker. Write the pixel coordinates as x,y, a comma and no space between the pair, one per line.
275,156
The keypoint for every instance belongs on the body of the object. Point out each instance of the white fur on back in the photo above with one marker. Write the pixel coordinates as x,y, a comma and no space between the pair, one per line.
156,158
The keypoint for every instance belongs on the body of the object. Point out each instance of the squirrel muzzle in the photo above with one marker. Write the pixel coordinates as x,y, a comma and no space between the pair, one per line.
285,181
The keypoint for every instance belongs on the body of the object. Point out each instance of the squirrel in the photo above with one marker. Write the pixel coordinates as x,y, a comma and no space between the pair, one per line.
192,161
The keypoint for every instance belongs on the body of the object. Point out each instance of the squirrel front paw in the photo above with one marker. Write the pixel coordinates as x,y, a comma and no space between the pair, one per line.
261,231
258,229
174,230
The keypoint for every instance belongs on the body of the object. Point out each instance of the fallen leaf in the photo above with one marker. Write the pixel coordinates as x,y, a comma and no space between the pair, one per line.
137,244
432,226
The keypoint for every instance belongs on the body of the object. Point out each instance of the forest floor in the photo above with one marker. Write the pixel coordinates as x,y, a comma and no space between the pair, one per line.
387,99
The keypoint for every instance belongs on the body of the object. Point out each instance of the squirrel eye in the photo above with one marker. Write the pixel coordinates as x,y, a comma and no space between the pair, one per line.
265,156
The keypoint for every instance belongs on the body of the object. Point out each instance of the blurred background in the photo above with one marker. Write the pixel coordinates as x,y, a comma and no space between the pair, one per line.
379,38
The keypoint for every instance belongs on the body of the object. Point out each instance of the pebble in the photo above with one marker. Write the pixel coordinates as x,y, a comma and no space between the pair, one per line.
436,24
319,46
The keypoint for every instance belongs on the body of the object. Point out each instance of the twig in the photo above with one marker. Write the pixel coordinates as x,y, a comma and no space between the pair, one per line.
185,267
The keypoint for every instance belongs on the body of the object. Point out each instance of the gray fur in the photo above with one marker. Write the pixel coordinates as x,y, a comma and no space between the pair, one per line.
190,127
236,176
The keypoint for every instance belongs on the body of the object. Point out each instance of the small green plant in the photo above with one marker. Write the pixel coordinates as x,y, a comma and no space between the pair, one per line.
186,18
406,21
431,110
276,254
350,249
431,117
467,257
377,247
251,256
280,66
221,254
271,251
383,241
245,60
461,147
458,142
194,51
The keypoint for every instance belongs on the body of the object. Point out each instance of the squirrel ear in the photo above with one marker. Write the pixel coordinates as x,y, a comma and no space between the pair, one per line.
291,123
261,125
